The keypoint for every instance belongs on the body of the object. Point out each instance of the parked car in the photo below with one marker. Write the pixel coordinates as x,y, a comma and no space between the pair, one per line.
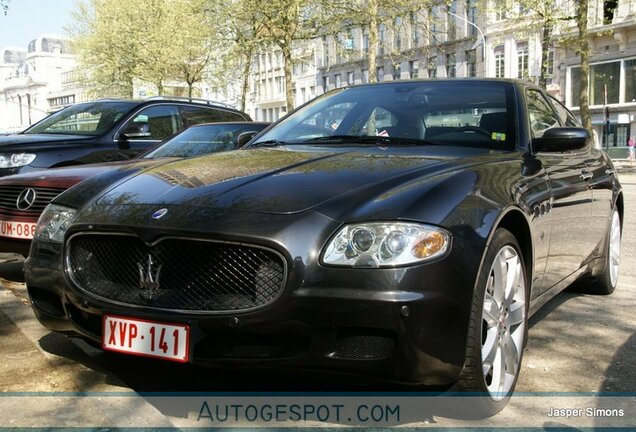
105,131
402,230
24,196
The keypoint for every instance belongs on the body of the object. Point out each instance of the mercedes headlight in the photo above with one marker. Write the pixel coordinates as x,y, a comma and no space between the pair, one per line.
16,160
385,244
53,223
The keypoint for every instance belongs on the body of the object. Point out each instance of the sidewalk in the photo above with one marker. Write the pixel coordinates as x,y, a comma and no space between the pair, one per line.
623,166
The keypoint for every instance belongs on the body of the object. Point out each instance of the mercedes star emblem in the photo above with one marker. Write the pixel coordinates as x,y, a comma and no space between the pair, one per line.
25,199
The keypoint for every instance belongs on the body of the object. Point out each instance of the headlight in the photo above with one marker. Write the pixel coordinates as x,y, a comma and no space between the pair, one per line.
385,244
53,223
16,160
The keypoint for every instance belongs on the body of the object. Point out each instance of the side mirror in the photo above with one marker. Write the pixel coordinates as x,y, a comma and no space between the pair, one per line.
137,130
244,138
561,139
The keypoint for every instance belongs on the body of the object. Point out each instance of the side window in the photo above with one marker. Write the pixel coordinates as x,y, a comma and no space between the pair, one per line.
567,118
541,114
230,116
198,115
154,123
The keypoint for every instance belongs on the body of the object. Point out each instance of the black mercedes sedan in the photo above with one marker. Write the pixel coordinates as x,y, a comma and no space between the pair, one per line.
403,231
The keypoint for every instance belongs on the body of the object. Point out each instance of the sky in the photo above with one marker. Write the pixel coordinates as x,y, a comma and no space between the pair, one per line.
27,19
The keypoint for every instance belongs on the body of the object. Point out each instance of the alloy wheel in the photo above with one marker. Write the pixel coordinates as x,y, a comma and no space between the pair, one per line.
503,322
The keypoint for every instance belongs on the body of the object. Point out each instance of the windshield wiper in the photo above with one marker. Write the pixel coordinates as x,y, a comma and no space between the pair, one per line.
268,143
367,139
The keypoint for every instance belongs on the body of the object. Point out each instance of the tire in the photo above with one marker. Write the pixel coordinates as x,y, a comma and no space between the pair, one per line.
605,282
498,328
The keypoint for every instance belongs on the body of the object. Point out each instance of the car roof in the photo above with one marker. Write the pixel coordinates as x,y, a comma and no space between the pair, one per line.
169,100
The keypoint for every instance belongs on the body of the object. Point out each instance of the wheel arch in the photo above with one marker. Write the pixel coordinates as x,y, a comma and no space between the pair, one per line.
620,206
514,220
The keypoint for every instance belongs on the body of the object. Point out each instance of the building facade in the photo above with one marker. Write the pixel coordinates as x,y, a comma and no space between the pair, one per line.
36,81
459,40
612,79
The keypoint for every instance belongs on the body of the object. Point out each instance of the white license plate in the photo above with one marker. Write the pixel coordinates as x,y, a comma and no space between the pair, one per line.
20,230
146,338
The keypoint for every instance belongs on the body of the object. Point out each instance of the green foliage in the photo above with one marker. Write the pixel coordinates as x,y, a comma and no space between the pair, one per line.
369,14
156,41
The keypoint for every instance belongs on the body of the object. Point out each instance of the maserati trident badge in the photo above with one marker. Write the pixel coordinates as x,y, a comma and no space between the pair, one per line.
149,279
159,213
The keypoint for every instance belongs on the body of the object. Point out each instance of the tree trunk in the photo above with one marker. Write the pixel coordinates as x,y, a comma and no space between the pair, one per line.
287,60
548,26
190,88
246,79
373,40
584,52
159,85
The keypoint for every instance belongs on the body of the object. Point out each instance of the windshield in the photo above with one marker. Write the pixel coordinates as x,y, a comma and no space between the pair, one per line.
198,140
467,113
93,118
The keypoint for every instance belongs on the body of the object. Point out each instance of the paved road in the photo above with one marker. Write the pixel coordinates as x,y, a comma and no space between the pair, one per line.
577,343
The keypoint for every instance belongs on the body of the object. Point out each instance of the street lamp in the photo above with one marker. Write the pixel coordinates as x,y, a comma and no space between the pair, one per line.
483,40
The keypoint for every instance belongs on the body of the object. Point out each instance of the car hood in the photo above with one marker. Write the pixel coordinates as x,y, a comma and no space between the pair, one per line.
66,177
279,180
26,142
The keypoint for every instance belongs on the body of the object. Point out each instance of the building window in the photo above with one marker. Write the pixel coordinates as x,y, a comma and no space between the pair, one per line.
365,76
432,24
501,13
379,73
365,42
450,65
397,33
522,60
604,79
381,38
609,6
415,31
414,66
338,80
325,83
451,30
350,78
325,51
303,95
630,80
432,67
471,15
550,67
500,62
471,63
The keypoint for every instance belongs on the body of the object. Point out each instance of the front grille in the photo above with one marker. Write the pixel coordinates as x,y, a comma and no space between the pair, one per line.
43,196
176,274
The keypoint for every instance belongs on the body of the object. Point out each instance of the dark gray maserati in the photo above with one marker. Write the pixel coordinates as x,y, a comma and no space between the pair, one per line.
404,231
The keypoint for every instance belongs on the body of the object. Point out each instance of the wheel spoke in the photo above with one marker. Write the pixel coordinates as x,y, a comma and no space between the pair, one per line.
491,311
500,277
498,372
489,350
511,353
512,279
516,315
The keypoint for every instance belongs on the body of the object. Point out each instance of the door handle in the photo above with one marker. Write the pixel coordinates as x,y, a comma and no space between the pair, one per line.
610,172
586,175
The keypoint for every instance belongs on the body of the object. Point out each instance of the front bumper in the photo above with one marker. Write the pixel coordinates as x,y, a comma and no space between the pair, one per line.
405,325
